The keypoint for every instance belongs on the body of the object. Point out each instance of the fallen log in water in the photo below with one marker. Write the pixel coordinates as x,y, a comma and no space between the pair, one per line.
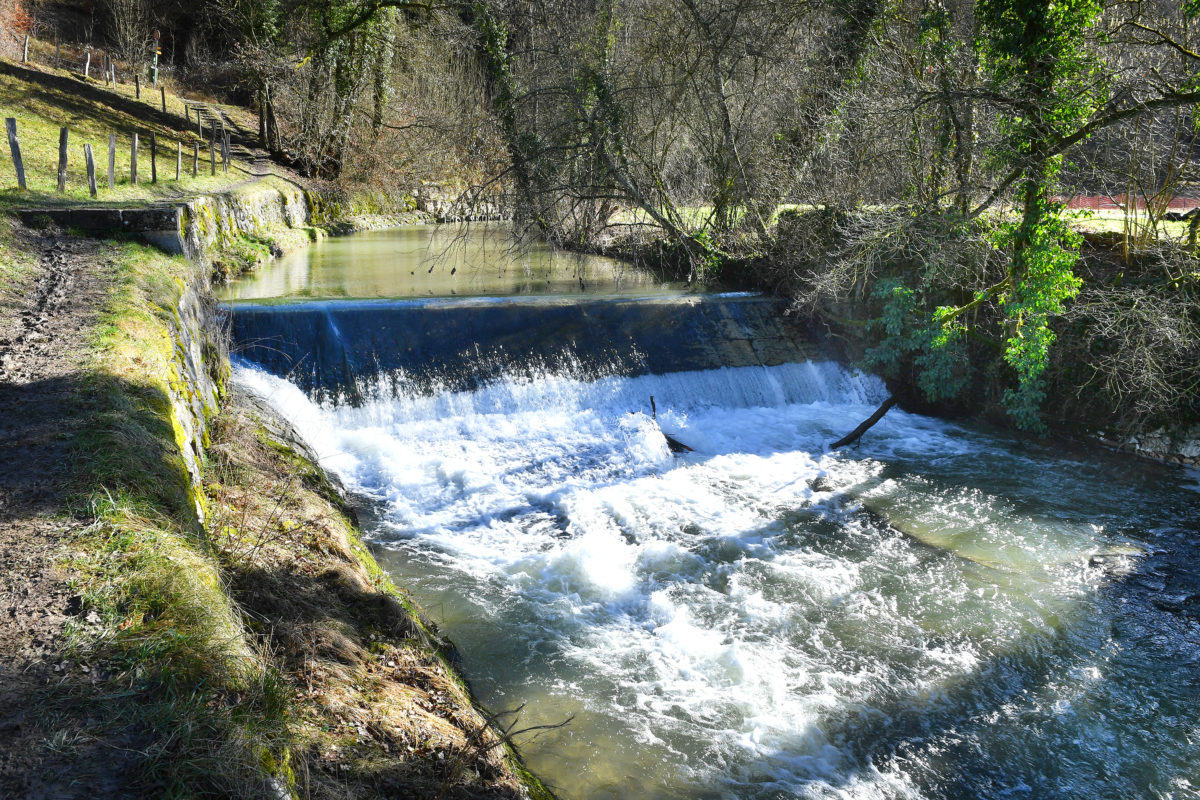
676,446
867,424
673,444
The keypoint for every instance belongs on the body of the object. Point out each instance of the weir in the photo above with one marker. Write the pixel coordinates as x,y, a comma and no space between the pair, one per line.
932,613
332,346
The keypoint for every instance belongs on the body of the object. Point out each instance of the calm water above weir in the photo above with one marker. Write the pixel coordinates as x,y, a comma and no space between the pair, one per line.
938,613
436,261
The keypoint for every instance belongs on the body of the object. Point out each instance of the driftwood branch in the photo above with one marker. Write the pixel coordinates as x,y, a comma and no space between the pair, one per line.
673,444
867,424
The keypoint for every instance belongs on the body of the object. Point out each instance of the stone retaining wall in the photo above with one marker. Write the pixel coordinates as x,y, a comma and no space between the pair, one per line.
196,228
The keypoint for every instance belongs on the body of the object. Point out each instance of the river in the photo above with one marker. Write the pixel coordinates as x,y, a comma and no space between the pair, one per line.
940,612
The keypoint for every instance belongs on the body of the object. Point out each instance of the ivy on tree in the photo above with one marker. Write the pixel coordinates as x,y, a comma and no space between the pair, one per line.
1035,56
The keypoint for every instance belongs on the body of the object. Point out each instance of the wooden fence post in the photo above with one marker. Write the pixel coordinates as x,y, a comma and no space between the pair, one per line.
15,146
91,168
137,86
195,158
178,159
199,126
112,68
87,63
25,52
163,89
112,161
62,160
153,158
225,151
133,160
212,151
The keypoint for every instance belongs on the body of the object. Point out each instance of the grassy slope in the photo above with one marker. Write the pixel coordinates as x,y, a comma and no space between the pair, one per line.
265,647
375,703
168,636
88,113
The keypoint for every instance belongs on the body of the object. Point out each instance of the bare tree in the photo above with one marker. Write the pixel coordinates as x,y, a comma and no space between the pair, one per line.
129,26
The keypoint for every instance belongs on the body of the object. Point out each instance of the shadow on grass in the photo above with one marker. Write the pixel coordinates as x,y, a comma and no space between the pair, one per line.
95,111
396,733
102,104
127,699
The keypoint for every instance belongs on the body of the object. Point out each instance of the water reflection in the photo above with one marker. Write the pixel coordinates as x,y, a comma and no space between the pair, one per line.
438,261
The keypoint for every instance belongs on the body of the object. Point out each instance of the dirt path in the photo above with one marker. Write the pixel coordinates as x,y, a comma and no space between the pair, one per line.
42,351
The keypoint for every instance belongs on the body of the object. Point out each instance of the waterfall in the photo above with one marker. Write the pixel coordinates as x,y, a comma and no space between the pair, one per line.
337,346
934,612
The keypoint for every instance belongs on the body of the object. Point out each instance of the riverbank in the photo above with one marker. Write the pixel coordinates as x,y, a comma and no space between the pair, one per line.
377,702
188,608
227,635
1119,366
231,635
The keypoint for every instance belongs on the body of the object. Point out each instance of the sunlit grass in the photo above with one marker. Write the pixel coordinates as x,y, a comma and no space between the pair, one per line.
700,217
170,635
15,267
1117,221
41,110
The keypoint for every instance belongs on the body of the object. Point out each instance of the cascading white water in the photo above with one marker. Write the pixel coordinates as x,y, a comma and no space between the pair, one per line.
933,614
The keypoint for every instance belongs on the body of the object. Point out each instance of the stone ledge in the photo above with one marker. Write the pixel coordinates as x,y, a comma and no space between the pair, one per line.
158,225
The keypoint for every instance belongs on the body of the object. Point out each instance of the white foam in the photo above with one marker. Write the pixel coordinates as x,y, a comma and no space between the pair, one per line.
677,598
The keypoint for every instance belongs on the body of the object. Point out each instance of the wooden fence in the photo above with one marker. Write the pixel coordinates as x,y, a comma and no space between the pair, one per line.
97,67
92,63
218,148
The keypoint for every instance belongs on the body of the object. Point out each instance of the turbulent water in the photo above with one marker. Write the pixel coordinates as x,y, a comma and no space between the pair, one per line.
935,614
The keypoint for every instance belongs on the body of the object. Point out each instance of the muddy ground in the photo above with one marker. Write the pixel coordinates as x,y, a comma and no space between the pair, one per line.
43,347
